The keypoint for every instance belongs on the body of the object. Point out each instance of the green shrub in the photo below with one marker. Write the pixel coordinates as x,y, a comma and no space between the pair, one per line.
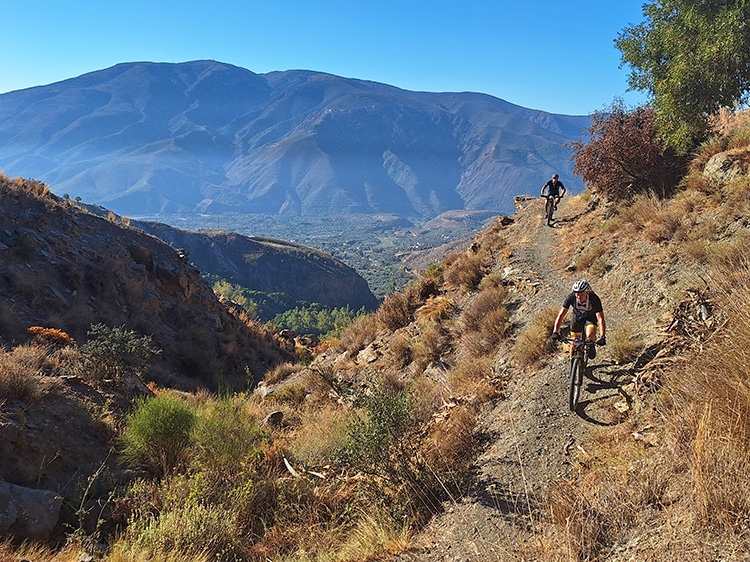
110,352
158,433
225,434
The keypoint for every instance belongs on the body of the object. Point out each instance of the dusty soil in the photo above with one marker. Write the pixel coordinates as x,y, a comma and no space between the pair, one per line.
532,439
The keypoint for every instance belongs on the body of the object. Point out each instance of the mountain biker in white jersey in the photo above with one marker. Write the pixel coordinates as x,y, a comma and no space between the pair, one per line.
588,314
554,188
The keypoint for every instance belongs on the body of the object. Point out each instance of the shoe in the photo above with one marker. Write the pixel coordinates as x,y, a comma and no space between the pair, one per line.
592,353
555,207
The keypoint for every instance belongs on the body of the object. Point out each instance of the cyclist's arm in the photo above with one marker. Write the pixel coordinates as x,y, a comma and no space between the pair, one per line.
559,319
602,324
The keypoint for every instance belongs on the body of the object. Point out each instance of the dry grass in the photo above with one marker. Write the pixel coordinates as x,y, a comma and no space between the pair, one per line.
436,308
464,270
625,342
534,343
394,313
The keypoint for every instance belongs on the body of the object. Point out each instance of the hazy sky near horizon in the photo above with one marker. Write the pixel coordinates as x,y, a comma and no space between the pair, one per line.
551,55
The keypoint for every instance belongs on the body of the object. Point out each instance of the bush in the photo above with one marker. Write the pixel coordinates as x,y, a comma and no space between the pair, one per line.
624,155
158,433
464,270
394,313
113,351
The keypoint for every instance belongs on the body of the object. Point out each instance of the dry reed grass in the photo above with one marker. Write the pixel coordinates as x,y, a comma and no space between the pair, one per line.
533,342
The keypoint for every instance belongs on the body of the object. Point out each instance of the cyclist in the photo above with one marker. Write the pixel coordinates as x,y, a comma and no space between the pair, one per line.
588,314
554,188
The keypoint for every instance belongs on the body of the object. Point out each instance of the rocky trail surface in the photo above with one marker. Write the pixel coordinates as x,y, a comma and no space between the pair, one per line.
531,438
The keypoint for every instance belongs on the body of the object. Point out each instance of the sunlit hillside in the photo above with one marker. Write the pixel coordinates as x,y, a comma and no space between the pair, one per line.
438,426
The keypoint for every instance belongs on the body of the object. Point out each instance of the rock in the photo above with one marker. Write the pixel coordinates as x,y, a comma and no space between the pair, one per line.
26,513
275,418
723,168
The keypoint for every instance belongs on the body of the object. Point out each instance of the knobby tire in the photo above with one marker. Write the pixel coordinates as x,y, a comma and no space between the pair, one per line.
550,210
576,381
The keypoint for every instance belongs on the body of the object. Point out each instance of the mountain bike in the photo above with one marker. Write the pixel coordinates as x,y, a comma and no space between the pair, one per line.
549,207
579,360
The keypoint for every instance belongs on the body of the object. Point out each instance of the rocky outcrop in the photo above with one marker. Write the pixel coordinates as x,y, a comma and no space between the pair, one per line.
26,513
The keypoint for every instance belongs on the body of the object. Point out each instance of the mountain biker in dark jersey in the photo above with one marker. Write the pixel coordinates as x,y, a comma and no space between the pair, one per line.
588,314
554,188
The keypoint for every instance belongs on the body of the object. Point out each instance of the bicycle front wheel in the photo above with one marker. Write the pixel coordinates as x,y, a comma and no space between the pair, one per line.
550,210
576,381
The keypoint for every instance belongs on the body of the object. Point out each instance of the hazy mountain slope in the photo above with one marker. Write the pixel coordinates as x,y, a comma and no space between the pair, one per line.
270,266
147,138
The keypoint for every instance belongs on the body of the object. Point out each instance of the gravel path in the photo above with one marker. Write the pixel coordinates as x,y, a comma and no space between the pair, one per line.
532,437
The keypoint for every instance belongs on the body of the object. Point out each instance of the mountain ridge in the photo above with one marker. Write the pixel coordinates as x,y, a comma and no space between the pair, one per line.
149,138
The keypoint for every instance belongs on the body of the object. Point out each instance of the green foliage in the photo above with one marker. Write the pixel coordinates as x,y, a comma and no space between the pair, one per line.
375,437
158,433
224,435
317,319
110,352
693,57
624,156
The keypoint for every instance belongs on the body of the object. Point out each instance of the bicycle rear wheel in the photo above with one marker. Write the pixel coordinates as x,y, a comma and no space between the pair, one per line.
550,210
576,381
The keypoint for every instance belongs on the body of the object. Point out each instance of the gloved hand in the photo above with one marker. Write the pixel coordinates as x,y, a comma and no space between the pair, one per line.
555,336
602,341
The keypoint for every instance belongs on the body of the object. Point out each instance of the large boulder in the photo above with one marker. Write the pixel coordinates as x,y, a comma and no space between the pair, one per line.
26,513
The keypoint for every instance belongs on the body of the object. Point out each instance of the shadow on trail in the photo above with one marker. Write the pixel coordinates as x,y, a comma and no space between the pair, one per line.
511,503
599,389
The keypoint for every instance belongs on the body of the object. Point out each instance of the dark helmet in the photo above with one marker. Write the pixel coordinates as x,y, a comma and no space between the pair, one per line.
555,176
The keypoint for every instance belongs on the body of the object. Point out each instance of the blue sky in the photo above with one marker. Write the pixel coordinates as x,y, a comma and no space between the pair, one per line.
551,55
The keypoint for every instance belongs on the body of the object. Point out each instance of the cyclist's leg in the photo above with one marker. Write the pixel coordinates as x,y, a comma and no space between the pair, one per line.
576,331
591,336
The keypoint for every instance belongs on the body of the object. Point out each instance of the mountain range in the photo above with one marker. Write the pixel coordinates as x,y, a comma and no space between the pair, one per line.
147,139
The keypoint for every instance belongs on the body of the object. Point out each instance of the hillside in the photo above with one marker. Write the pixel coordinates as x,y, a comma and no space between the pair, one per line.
438,429
205,137
300,273
65,268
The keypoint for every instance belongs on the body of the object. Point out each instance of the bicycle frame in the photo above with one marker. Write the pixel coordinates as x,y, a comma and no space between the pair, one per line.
579,359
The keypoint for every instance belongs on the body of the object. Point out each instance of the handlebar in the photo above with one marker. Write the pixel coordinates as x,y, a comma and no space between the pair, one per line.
582,340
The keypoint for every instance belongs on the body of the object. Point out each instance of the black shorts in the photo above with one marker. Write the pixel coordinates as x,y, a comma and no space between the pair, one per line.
579,324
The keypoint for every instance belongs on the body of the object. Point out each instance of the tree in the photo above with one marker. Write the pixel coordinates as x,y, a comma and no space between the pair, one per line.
693,57
624,155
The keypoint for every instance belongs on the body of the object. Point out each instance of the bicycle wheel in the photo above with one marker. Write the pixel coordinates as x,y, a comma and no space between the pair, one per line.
576,381
550,210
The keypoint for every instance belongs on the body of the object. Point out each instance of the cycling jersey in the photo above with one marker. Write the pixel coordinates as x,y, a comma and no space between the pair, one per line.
554,187
584,311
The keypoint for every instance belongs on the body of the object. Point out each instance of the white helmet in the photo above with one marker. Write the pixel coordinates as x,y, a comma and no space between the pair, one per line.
581,286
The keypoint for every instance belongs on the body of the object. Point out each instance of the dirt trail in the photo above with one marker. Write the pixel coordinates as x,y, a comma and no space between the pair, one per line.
533,438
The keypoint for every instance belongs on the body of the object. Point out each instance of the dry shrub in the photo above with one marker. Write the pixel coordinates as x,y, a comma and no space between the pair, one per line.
464,270
473,378
711,400
625,342
52,336
358,334
485,302
433,341
18,373
394,313
322,431
591,259
534,343
282,372
449,448
492,280
436,308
